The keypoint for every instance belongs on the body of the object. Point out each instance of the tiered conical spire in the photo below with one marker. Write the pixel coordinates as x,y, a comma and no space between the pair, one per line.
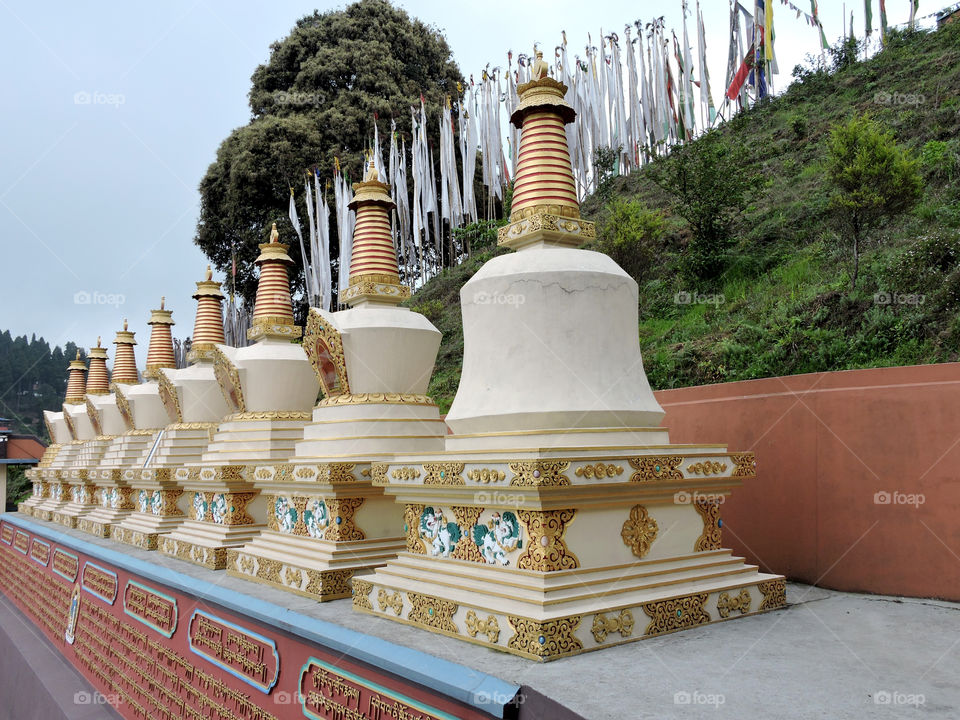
125,364
76,382
374,276
98,379
160,351
208,324
273,310
545,206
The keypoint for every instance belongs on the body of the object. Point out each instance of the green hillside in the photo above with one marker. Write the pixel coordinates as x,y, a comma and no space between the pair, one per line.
783,302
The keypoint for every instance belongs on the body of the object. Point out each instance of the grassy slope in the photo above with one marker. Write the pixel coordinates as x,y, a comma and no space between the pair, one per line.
787,304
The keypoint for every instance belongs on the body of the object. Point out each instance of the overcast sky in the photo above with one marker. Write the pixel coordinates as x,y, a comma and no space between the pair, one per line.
112,112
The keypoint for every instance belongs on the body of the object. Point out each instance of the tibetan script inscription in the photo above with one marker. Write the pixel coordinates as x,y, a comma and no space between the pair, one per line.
99,582
244,654
330,692
152,608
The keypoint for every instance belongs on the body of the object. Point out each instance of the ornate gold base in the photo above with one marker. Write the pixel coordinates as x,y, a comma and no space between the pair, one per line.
69,521
320,585
144,541
213,558
25,509
91,527
41,514
550,639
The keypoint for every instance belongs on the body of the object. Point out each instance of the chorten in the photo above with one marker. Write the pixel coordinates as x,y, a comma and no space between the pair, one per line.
43,476
326,520
192,397
269,388
142,409
113,493
81,431
83,473
559,519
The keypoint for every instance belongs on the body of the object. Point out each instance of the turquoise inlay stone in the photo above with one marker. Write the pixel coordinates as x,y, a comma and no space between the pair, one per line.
339,520
542,639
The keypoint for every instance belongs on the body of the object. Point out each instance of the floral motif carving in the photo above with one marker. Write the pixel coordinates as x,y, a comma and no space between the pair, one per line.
599,471
727,604
390,602
228,378
550,639
745,465
432,612
546,550
489,627
411,527
361,594
651,468
540,473
639,531
466,548
774,594
603,626
341,519
443,473
676,614
708,467
709,511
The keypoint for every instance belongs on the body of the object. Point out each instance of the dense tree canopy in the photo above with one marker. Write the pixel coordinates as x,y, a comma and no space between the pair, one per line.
33,378
313,101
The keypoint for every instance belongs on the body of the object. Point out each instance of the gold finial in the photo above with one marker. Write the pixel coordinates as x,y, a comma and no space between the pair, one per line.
124,324
540,67
98,341
78,353
372,174
163,300
274,235
209,274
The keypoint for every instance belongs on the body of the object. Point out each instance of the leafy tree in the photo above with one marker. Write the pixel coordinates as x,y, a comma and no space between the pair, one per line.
873,180
315,100
605,168
712,181
630,234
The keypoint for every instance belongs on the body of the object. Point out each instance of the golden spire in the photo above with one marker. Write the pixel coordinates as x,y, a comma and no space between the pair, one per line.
160,350
273,309
76,381
98,380
545,206
125,364
374,275
208,323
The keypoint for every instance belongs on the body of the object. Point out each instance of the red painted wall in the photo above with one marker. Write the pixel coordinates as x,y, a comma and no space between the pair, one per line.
826,445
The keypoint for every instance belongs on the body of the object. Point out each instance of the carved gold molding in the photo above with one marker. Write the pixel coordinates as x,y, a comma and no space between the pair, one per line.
604,626
228,378
774,594
639,531
710,513
549,639
676,614
540,473
546,550
324,347
727,604
650,468
432,612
